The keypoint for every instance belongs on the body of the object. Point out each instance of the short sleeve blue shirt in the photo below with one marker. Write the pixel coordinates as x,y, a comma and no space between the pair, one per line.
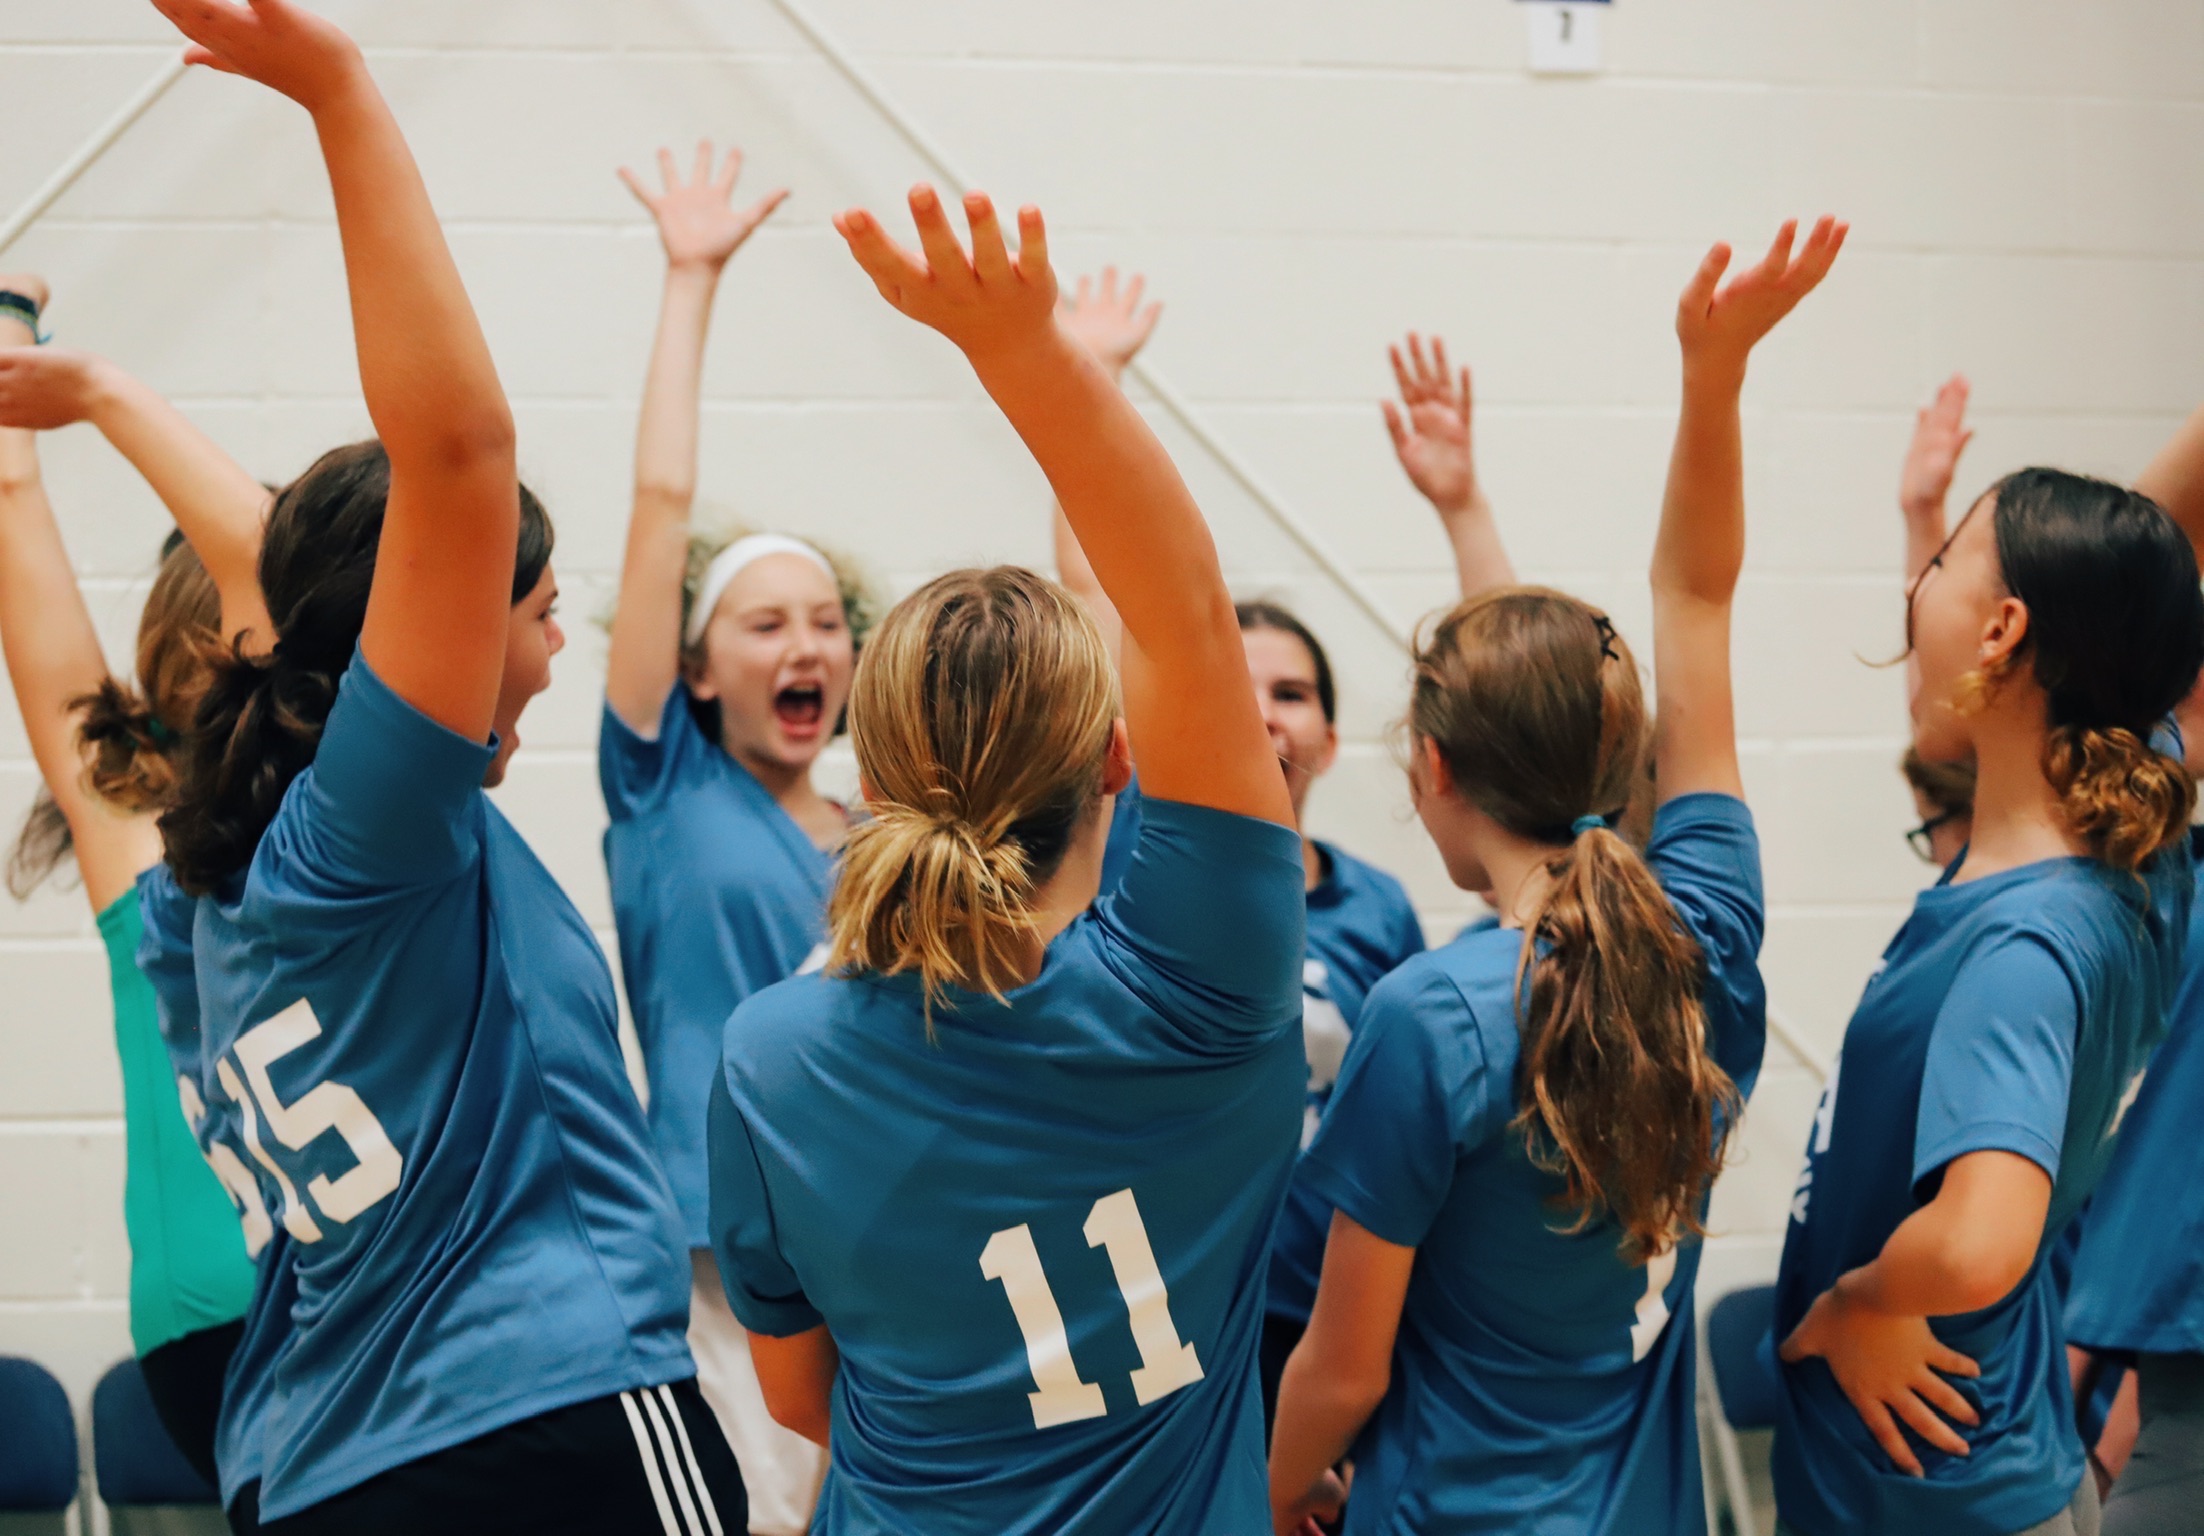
1541,1383
2138,1281
1036,1230
715,893
415,1035
2010,1013
1361,926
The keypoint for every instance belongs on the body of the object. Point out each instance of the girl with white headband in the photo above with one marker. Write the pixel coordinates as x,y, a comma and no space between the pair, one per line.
726,678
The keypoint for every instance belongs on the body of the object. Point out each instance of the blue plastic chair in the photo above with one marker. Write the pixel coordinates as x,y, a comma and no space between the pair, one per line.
134,1460
1738,1390
38,1441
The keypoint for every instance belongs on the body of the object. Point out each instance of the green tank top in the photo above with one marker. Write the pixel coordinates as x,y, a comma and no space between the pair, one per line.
188,1269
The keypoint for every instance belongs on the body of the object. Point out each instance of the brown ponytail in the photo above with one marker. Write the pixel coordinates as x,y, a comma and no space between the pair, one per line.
2123,798
1534,702
981,712
2115,639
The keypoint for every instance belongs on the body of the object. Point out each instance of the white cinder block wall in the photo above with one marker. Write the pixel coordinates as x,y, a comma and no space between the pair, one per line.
1303,180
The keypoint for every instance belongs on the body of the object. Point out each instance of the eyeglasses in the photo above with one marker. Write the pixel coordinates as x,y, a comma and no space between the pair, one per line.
1922,839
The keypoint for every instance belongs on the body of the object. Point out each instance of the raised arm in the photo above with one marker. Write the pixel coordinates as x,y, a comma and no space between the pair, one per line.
1940,436
220,508
2175,479
437,613
1430,428
1188,703
53,652
701,230
1111,323
1700,548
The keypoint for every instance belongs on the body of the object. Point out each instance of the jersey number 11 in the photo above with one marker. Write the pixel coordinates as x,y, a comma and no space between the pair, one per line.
1167,1362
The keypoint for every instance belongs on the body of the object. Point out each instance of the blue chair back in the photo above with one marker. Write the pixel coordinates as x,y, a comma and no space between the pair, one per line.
132,1455
1744,1366
38,1440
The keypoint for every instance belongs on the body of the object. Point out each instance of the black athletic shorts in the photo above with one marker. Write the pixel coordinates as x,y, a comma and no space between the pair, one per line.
650,1462
184,1379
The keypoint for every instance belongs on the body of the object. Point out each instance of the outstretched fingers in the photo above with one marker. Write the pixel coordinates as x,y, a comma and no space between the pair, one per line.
1033,246
893,270
990,256
1818,255
1699,292
668,172
634,184
945,258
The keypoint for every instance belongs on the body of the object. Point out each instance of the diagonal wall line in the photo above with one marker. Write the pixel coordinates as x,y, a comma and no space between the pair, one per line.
88,153
930,150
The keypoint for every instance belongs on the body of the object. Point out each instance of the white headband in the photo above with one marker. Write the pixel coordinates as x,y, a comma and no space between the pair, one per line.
732,561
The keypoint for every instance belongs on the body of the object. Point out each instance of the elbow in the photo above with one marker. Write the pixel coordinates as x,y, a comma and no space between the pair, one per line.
809,1418
484,443
1976,1271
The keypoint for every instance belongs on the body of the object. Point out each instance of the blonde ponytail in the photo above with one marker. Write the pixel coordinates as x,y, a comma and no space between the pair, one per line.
981,712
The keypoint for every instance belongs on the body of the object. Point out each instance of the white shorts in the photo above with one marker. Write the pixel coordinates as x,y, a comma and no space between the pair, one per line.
780,1468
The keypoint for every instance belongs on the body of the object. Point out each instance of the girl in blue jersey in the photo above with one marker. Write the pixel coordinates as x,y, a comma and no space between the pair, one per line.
994,1193
720,693
1521,1143
2136,1295
1925,1386
105,750
410,1028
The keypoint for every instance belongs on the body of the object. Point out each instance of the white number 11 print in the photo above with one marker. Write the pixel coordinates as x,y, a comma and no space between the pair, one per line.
1167,1362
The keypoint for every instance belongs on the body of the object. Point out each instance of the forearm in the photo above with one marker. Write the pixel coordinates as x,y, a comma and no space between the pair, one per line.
2175,478
46,632
1700,549
1320,1411
1121,495
1925,535
219,507
1939,1262
425,367
666,435
1480,558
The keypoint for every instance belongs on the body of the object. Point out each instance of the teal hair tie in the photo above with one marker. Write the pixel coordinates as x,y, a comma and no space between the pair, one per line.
157,728
1584,824
25,309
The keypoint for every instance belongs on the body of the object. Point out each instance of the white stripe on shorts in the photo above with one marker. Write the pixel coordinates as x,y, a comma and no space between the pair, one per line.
689,1520
650,1466
688,1455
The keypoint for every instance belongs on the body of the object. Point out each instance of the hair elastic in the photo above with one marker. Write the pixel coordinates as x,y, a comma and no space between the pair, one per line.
24,308
1584,824
1606,628
731,562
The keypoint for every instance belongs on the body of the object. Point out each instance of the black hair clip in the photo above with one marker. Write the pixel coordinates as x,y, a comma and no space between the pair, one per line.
1606,629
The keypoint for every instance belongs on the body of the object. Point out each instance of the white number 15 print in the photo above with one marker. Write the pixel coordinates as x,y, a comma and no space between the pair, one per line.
1167,1362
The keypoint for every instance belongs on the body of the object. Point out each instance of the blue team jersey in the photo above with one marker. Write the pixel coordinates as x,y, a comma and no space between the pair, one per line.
715,893
1361,926
413,1035
2138,1281
1541,1383
1036,1229
1124,837
165,958
2010,1013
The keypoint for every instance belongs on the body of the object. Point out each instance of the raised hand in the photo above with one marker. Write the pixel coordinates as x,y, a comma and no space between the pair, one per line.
1430,426
982,302
1720,323
42,388
1110,322
1940,436
279,43
698,223
1888,1366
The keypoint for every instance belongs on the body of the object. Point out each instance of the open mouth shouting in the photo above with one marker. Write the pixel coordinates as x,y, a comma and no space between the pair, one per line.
801,710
